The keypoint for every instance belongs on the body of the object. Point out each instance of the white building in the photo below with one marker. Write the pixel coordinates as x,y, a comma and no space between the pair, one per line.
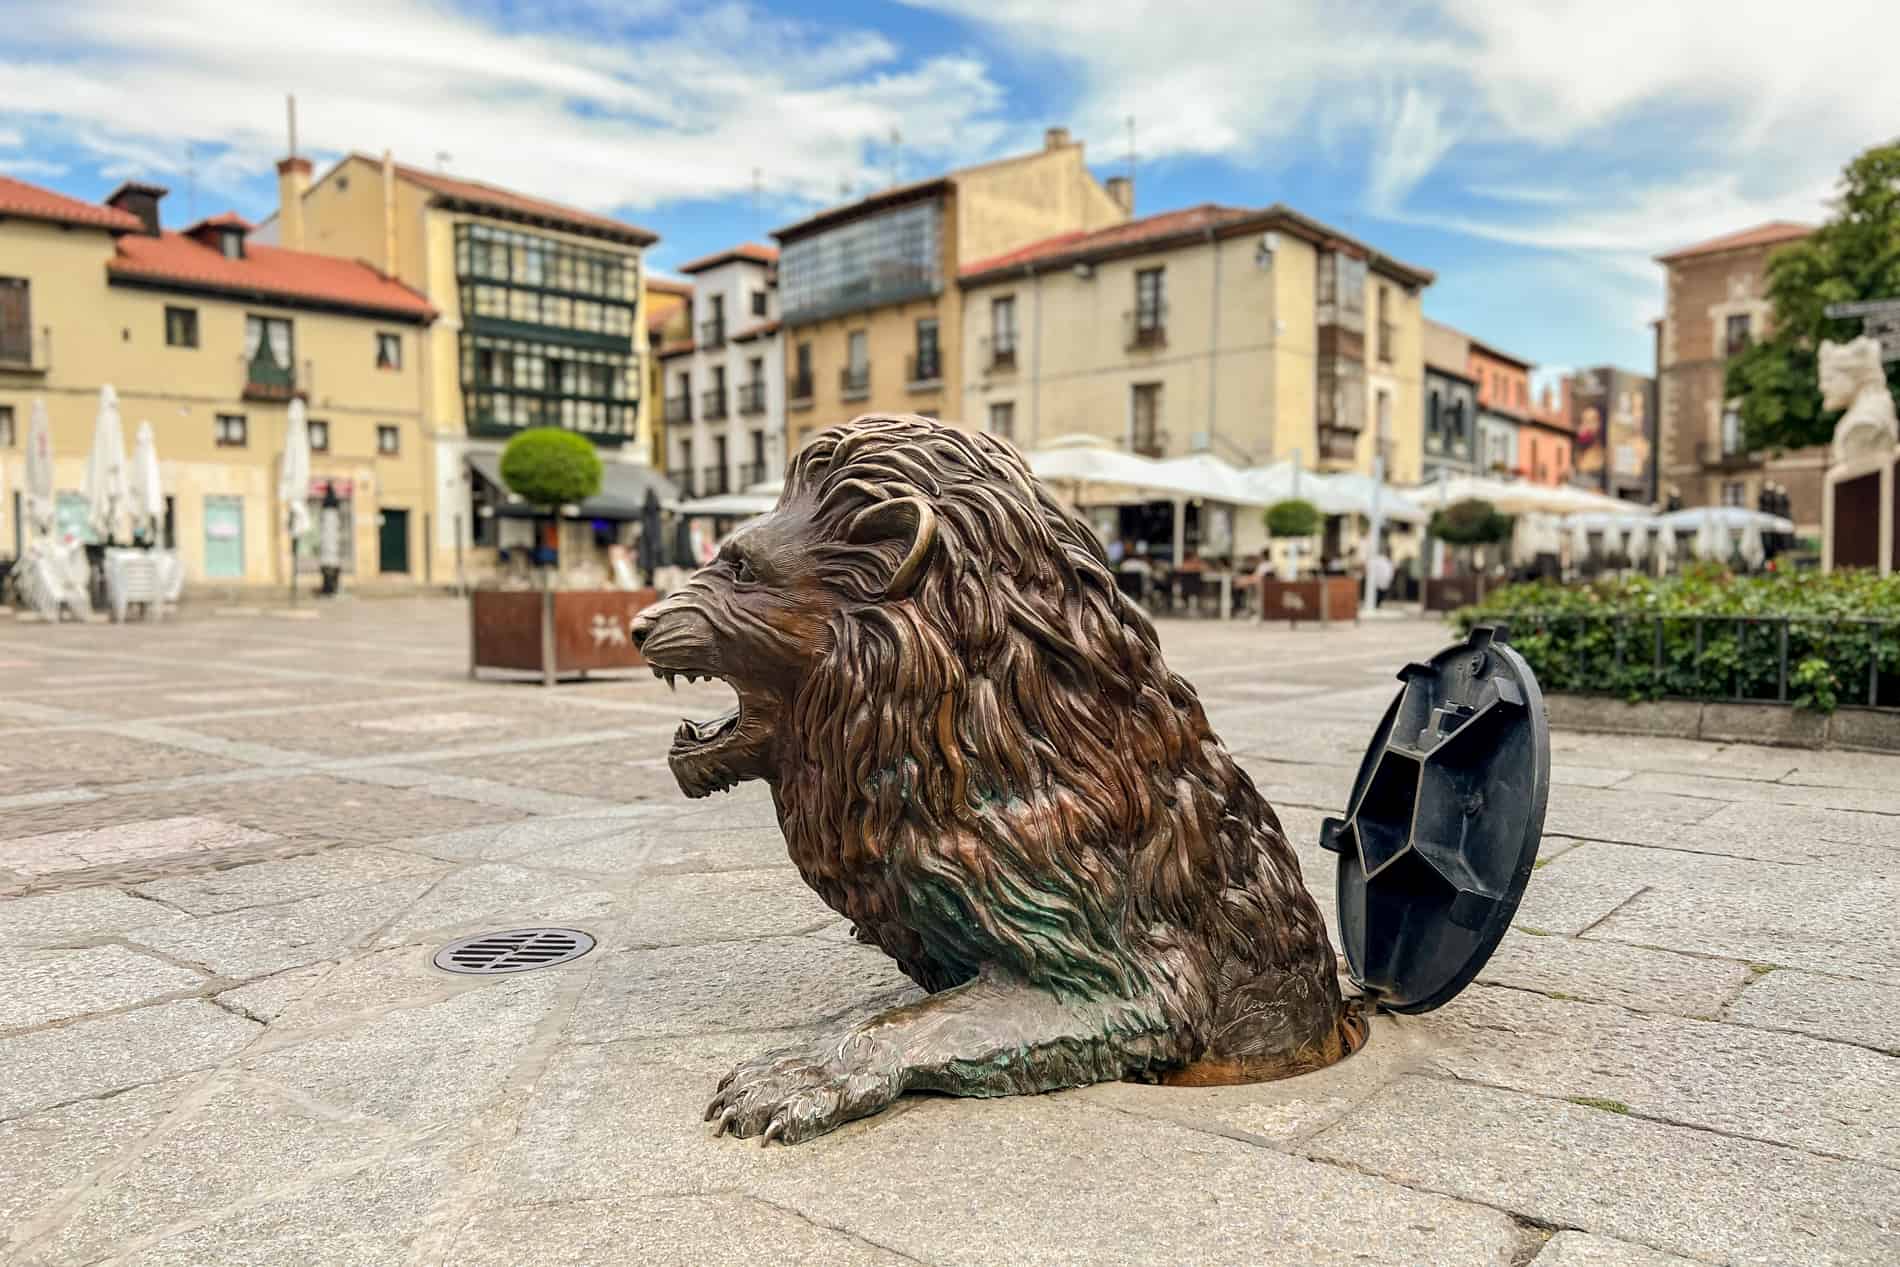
725,391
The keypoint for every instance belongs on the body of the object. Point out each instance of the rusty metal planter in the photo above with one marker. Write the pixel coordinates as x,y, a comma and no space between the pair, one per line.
1323,598
554,632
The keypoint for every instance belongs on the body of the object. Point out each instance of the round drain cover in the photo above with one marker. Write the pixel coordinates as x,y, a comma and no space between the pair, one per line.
1443,825
515,950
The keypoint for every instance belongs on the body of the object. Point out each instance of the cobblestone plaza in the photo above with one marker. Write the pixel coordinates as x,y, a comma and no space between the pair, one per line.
230,846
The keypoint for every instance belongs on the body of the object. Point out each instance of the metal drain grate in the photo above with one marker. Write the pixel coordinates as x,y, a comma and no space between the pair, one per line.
515,950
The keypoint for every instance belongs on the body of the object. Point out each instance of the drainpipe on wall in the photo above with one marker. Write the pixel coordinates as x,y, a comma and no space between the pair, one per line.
1035,360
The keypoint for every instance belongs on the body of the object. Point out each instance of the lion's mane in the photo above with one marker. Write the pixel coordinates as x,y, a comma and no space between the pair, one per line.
996,767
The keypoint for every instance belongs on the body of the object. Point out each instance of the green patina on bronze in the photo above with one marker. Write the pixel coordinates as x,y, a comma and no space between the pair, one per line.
980,758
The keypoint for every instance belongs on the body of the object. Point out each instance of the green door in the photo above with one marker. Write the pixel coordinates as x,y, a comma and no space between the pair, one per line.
224,538
394,535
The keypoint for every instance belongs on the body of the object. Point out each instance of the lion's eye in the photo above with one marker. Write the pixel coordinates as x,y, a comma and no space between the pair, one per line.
742,570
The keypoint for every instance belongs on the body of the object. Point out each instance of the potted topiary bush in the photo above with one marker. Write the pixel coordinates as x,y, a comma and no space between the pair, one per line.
558,630
1464,525
1302,598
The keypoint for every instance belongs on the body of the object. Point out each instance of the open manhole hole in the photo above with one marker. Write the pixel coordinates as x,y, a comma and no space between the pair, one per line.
514,950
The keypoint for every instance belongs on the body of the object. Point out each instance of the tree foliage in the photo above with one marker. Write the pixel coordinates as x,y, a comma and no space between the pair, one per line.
1471,522
547,466
1854,256
1294,517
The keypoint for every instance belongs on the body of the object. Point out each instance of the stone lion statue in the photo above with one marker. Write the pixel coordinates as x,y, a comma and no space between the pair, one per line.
980,758
1853,378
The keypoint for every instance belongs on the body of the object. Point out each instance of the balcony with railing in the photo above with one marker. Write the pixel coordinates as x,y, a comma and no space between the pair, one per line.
999,354
752,398
713,481
1146,327
679,409
751,473
923,371
1149,442
682,479
1338,444
265,379
1723,456
712,404
712,333
798,391
854,382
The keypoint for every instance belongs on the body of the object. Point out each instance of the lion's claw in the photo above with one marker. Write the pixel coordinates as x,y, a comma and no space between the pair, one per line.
792,1096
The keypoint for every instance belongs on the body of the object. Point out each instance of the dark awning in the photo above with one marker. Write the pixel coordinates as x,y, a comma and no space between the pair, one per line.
622,495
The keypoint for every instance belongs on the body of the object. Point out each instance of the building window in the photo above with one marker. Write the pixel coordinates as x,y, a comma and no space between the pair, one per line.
181,327
1151,307
1145,434
926,362
869,261
319,436
712,331
856,376
1003,419
231,431
508,279
801,374
7,437
388,351
1382,413
508,384
1388,334
1734,493
758,303
1003,332
270,357
1731,431
1434,425
1737,335
16,320
388,440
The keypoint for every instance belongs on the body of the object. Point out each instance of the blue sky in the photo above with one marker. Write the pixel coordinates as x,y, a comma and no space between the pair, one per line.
1534,153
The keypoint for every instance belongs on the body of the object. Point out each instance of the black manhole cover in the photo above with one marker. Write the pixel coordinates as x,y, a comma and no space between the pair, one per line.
515,950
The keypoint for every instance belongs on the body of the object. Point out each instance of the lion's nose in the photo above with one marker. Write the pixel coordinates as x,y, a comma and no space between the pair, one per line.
642,626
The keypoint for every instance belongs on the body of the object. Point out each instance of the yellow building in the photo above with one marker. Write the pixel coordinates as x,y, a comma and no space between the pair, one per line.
207,334
541,324
1254,335
867,293
669,317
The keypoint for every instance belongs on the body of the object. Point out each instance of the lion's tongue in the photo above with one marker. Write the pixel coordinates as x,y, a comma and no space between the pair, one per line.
704,732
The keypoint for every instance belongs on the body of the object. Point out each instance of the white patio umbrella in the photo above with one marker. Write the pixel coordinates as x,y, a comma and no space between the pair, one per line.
1579,541
293,484
39,473
1665,547
108,494
147,491
1754,552
1638,547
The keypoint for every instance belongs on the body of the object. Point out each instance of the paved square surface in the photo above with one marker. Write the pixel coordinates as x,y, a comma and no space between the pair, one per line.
229,847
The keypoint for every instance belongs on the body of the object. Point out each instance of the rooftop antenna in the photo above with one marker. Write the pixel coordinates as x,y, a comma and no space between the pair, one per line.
290,113
897,156
844,188
191,180
758,185
442,160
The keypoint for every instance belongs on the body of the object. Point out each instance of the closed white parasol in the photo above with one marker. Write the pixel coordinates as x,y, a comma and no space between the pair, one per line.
107,492
39,473
146,487
293,479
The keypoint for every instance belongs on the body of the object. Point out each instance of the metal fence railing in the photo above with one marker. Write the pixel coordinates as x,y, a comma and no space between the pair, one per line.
1824,661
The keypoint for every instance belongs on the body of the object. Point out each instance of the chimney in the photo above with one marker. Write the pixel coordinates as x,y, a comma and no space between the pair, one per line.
1054,138
138,199
1122,190
389,214
293,181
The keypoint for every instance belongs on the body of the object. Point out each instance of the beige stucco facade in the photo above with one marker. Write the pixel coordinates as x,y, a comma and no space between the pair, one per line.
401,220
1234,364
985,210
90,331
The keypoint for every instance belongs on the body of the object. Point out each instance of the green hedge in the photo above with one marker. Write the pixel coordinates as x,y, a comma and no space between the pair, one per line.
546,466
1603,637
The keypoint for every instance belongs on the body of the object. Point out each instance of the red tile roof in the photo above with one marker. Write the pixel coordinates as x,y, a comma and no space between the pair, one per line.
229,219
30,202
269,273
668,286
506,202
1761,235
1135,232
753,251
755,330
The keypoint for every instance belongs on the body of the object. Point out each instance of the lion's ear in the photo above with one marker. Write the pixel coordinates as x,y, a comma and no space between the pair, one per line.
905,519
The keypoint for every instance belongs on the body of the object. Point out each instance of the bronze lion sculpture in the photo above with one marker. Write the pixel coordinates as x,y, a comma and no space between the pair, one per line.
978,756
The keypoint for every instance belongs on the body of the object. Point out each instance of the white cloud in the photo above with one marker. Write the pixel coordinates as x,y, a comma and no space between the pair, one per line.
602,105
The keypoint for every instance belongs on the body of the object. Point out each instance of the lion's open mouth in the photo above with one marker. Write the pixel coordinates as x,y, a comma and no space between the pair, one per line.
717,753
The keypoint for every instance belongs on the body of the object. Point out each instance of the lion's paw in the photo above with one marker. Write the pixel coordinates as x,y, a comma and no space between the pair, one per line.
798,1094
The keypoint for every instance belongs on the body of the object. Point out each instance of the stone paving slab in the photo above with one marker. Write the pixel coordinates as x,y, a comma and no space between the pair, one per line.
54,1066
73,917
1580,1249
267,939
1826,1007
1602,972
55,1153
285,880
62,758
54,852
43,986
1689,1192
